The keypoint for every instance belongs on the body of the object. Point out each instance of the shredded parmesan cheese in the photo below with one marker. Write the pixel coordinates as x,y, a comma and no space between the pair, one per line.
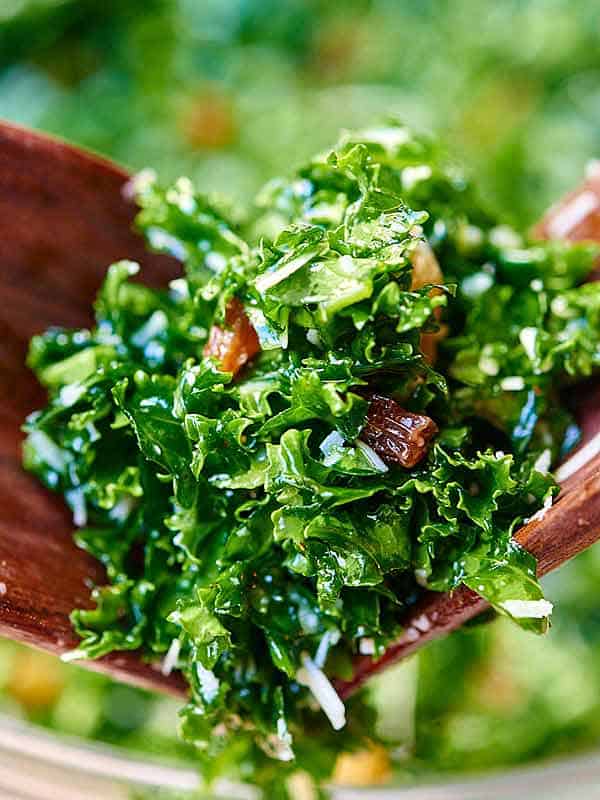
269,279
209,683
421,577
410,635
155,325
180,288
323,649
514,383
73,655
528,337
422,623
372,456
76,499
122,509
313,678
330,447
489,365
366,646
312,336
527,609
282,742
71,393
543,462
48,451
170,660
539,515
279,748
140,183
161,240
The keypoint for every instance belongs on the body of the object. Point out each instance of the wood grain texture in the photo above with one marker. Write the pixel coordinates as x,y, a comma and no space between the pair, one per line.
63,219
573,522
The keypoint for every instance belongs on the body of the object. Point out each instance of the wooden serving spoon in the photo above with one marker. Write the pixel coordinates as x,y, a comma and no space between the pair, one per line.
63,219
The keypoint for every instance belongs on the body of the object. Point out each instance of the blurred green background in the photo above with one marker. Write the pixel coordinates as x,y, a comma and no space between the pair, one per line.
231,92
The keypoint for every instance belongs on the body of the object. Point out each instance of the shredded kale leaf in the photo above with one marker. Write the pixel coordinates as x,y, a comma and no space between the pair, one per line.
245,527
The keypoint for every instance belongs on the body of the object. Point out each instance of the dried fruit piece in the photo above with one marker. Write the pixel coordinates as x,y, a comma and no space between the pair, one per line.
426,269
236,344
396,435
429,341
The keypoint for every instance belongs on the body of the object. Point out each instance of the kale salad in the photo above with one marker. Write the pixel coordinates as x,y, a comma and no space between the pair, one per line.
352,395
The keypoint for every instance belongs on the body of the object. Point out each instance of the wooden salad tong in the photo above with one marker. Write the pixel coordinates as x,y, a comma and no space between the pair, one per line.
63,220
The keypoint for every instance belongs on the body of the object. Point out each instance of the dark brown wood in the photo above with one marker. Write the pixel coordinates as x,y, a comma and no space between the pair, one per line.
576,216
63,219
571,525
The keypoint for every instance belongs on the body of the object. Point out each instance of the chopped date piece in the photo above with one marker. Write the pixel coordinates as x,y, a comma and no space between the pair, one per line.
426,269
236,344
429,341
396,435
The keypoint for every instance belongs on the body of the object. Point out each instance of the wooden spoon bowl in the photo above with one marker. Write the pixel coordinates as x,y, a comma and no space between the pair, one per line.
63,219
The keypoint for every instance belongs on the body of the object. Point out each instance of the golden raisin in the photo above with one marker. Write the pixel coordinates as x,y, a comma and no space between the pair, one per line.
234,345
426,270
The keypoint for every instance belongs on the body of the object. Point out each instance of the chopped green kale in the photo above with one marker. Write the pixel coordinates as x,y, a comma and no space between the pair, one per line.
247,530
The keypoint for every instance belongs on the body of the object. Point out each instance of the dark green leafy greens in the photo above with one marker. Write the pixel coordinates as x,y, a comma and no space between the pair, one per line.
250,537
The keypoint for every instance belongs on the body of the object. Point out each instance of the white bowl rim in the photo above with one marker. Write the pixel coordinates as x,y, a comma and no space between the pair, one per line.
73,755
